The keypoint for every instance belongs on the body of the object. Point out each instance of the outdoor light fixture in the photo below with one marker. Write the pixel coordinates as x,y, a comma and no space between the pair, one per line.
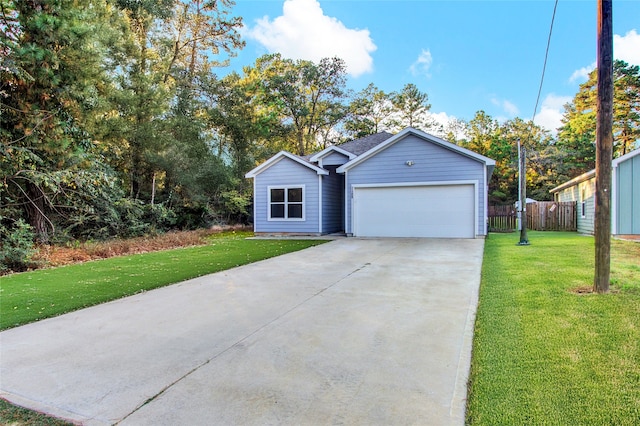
409,163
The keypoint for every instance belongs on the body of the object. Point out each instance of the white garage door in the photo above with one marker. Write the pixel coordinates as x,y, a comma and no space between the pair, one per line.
442,211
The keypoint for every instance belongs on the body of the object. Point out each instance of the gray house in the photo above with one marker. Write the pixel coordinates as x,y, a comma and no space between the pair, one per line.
625,196
411,184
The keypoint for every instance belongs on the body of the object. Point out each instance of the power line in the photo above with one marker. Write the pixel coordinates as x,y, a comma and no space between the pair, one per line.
546,55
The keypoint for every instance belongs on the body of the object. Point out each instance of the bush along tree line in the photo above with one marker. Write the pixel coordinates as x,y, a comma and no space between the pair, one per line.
114,123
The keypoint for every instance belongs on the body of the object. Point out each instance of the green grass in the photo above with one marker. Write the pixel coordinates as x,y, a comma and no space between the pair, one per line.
32,296
544,354
12,415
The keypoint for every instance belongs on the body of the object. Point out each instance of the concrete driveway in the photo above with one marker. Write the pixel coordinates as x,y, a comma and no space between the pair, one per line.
355,331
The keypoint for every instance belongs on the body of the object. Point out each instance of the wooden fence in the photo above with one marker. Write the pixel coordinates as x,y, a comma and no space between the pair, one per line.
552,216
541,216
502,218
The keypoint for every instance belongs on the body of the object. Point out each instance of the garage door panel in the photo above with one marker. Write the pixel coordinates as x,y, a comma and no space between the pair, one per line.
442,211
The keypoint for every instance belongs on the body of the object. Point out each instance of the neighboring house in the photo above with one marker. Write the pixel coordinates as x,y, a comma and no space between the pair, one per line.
411,184
625,196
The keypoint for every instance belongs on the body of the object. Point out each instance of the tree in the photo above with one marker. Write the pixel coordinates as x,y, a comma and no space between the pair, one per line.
202,30
52,63
301,93
369,112
244,129
410,107
576,138
486,136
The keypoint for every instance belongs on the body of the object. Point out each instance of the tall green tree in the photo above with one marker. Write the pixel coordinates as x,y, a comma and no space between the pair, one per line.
576,138
306,96
369,112
410,107
486,136
51,71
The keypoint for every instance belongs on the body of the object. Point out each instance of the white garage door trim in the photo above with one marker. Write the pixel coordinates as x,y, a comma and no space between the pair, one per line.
469,232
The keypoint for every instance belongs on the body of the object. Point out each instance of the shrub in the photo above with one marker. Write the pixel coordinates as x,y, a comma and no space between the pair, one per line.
16,245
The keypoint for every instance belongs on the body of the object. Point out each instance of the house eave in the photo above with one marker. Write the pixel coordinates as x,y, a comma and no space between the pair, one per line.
279,157
625,157
490,163
575,181
317,157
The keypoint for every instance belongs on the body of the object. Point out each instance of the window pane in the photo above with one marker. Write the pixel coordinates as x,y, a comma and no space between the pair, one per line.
295,211
277,195
295,195
277,210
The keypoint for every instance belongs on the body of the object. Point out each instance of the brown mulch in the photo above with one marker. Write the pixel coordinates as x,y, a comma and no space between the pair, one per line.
48,255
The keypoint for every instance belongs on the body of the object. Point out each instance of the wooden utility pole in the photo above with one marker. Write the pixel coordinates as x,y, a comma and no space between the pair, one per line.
604,147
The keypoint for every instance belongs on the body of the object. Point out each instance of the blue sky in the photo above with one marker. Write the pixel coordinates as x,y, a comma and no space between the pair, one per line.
466,55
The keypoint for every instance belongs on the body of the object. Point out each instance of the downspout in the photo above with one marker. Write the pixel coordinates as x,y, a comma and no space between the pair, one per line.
614,200
486,200
320,203
347,203
255,218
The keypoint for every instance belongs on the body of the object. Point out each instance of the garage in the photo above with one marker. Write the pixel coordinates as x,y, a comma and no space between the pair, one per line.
415,210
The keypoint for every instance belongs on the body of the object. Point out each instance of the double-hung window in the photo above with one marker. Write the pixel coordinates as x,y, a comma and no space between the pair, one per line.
286,202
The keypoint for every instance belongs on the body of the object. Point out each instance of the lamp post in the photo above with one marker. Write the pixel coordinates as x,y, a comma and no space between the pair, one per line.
522,195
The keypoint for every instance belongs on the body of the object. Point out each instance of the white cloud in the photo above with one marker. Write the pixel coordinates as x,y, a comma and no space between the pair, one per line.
551,112
507,106
305,32
422,65
582,74
627,47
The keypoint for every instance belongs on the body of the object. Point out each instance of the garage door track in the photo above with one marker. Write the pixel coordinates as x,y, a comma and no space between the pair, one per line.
355,331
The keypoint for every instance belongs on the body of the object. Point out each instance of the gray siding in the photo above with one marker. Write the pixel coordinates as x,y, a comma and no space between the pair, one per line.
333,201
334,159
431,163
628,196
582,192
286,173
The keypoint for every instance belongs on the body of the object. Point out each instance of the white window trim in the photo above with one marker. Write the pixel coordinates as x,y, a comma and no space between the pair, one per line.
286,219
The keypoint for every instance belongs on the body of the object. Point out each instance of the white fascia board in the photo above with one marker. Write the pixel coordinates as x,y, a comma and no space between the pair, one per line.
576,180
329,150
625,157
410,130
280,156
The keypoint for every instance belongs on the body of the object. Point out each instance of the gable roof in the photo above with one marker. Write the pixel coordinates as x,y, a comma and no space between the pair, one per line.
333,148
392,139
280,156
362,145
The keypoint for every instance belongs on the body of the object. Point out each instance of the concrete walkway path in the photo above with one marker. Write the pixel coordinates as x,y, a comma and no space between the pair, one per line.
354,331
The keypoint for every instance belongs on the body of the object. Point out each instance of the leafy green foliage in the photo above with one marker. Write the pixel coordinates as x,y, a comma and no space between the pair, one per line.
16,245
410,106
369,112
306,97
577,136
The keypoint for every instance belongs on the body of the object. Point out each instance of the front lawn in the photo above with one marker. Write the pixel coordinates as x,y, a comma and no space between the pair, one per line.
32,296
546,352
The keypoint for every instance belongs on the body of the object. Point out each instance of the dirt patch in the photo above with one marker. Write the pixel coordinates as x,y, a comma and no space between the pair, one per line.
582,290
47,255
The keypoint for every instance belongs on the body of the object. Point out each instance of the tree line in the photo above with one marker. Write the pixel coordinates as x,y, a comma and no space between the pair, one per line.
115,123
